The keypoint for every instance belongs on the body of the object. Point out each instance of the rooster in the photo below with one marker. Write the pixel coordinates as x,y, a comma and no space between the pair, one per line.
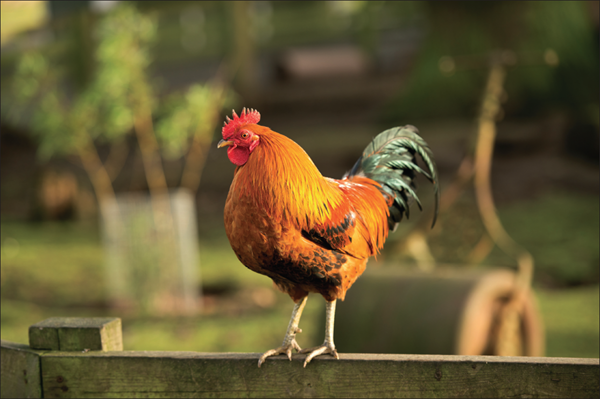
310,233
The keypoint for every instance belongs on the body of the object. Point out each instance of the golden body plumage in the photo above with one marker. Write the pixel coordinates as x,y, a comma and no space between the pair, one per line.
278,197
309,233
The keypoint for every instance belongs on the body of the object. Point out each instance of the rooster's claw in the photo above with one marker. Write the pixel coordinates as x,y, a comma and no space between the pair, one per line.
319,350
282,350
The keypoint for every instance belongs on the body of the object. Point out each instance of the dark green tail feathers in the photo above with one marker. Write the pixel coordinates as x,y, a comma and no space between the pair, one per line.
390,160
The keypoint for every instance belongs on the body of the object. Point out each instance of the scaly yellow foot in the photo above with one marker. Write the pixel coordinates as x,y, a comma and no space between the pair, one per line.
289,342
284,349
326,348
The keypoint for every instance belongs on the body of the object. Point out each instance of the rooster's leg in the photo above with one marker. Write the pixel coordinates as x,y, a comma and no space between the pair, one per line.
289,342
328,346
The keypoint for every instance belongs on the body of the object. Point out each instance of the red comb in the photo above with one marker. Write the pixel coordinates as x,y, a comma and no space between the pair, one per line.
247,116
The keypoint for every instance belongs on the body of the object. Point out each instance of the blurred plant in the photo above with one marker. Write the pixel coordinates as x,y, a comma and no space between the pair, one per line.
118,100
148,257
528,29
185,131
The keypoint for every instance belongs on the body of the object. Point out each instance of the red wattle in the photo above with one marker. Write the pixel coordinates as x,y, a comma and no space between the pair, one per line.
238,155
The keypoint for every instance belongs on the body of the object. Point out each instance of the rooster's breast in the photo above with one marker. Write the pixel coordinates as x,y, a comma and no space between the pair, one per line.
277,249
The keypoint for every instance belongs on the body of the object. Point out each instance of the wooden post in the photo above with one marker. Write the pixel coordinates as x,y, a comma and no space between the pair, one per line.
77,334
228,375
20,376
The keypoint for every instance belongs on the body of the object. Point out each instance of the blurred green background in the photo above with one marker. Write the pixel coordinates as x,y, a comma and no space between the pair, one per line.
87,78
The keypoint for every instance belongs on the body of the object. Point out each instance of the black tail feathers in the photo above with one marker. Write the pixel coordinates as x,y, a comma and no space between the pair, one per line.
390,160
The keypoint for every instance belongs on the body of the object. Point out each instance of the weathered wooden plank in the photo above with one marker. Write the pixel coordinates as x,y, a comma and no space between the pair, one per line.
189,374
20,373
77,334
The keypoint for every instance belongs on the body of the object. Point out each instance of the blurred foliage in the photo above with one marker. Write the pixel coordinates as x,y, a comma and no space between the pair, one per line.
72,116
122,59
64,119
18,16
527,28
35,80
562,232
203,31
180,118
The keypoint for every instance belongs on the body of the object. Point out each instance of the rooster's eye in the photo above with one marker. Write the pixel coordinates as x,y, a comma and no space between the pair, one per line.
245,135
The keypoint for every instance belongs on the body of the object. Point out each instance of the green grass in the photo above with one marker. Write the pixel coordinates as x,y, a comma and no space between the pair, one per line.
571,319
562,233
56,269
250,331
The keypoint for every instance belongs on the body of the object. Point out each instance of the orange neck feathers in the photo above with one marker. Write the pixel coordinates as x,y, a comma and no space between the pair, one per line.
284,181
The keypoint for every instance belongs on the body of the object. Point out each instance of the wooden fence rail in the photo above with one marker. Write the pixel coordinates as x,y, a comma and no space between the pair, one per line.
82,358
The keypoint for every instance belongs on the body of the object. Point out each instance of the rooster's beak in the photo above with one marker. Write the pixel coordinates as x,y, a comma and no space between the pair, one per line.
224,143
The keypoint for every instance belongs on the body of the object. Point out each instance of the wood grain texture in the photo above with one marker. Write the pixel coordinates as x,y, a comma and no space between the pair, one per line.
189,374
77,334
20,376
